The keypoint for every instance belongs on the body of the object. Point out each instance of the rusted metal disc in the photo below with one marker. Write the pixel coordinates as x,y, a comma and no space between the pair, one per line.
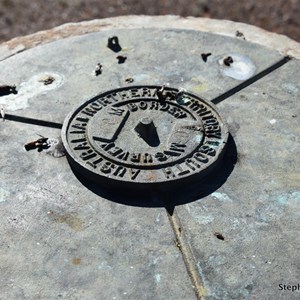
144,135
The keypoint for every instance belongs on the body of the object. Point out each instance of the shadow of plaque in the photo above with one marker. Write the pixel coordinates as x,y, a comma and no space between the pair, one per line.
169,196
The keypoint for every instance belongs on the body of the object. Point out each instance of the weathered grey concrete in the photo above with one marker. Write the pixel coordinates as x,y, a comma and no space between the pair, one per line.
58,238
157,56
257,209
61,240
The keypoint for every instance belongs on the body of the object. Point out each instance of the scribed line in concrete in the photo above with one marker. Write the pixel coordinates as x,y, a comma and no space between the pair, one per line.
32,121
188,257
251,80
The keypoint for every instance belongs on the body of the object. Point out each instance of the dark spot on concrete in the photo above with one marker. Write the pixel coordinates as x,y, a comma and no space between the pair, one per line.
121,59
72,221
228,61
249,287
98,69
239,34
39,144
113,44
7,89
129,80
219,236
205,56
76,261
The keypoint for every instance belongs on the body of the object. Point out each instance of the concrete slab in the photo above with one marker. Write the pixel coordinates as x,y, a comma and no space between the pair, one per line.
63,239
157,56
256,210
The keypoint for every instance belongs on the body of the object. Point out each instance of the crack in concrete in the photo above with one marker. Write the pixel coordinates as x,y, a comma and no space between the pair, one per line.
188,257
180,238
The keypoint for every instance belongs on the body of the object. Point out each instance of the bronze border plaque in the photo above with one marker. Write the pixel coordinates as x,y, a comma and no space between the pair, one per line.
144,135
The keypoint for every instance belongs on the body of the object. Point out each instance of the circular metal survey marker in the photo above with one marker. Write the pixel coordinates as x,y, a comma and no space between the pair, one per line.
144,135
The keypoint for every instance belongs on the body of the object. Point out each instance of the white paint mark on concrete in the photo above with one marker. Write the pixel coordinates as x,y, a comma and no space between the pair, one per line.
4,194
104,265
221,197
198,138
289,198
273,121
240,67
296,196
34,86
157,278
290,88
158,218
155,260
204,219
283,199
